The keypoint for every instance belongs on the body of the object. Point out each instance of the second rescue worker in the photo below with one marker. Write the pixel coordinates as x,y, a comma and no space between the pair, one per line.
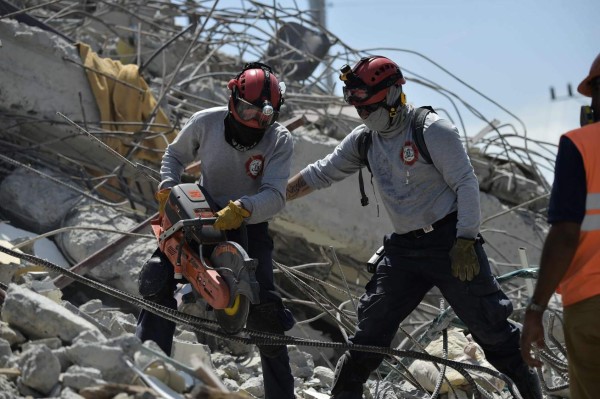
434,208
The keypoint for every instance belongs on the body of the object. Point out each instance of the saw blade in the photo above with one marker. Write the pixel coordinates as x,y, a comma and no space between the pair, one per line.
232,320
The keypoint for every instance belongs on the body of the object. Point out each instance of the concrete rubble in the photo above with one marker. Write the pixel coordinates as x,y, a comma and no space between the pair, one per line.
67,199
58,353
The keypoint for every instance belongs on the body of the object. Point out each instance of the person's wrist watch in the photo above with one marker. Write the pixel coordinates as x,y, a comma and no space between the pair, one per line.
534,307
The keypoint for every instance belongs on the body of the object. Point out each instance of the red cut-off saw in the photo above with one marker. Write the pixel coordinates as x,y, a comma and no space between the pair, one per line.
220,271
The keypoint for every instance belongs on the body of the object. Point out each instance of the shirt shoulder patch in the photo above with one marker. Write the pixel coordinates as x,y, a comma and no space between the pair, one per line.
254,166
409,153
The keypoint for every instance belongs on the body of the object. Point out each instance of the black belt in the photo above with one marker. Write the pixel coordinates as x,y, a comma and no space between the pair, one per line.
428,229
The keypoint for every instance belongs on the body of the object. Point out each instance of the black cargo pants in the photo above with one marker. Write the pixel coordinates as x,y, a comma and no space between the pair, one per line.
412,266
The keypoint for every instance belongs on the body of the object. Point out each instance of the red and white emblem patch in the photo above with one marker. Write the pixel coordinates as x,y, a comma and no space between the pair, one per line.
254,166
409,154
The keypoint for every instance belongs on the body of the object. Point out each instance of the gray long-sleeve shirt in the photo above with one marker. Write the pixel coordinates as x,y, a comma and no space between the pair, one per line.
415,194
257,177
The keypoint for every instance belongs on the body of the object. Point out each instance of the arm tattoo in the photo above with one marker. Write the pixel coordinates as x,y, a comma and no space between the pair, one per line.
297,188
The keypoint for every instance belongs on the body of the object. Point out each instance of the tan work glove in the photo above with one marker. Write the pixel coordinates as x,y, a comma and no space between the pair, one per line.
465,265
162,196
230,217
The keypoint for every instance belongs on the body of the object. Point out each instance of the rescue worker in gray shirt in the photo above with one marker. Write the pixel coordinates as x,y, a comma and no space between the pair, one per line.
434,209
245,157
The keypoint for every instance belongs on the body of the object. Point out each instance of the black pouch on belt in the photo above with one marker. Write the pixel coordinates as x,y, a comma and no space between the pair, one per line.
375,259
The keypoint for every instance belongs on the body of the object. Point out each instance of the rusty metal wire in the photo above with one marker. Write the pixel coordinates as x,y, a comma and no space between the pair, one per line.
188,50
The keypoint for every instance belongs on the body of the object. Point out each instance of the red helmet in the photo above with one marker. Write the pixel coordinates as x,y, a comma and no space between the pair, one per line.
256,96
368,81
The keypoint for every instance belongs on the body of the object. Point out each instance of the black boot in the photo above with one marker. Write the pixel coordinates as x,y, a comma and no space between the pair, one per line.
527,382
348,379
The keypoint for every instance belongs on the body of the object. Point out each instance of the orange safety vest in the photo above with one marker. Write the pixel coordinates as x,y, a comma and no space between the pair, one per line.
582,279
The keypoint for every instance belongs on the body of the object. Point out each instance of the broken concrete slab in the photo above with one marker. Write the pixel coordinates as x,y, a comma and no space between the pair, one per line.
39,317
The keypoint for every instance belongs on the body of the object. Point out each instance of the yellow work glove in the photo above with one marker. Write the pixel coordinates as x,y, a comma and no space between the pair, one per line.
162,196
465,265
230,217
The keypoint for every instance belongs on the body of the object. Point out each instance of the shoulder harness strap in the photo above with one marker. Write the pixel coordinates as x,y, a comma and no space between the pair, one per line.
364,142
418,127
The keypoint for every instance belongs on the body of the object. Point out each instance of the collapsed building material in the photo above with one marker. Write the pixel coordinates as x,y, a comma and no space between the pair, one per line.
43,75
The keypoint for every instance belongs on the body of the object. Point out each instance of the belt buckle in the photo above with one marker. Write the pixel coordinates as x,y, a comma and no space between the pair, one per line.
421,232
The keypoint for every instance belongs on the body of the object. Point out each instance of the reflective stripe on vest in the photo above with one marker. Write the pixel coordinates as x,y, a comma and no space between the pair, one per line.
591,221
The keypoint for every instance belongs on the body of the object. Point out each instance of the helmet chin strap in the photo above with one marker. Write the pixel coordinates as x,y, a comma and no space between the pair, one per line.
394,108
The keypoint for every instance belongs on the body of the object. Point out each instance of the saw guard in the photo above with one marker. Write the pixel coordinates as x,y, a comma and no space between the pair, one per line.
233,319
237,269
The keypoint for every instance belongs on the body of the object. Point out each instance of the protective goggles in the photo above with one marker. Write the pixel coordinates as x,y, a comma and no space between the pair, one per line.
357,94
265,116
354,94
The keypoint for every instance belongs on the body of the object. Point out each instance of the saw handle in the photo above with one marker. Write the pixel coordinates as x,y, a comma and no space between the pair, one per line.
185,223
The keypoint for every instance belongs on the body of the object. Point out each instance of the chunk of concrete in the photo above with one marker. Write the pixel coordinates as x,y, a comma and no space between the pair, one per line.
39,317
